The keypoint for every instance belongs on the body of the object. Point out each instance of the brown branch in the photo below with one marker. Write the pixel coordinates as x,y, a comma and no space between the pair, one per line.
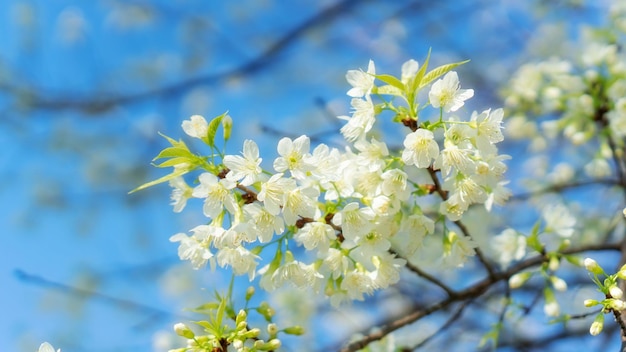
559,188
426,276
469,293
107,101
444,196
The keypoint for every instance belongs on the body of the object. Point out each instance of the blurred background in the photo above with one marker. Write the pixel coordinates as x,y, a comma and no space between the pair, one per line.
85,87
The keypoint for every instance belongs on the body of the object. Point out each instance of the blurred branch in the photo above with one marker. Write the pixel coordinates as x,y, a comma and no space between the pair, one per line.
107,101
469,293
154,313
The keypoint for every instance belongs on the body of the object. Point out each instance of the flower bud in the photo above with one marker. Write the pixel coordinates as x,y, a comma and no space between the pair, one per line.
554,263
592,266
517,280
182,330
615,292
227,125
558,283
597,325
274,344
551,309
241,317
272,329
617,304
249,292
590,302
294,330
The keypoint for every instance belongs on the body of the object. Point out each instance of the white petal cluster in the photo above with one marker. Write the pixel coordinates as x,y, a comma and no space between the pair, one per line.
357,212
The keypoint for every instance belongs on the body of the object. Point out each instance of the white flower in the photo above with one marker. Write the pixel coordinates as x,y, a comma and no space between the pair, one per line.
292,156
240,259
371,154
300,202
454,157
559,220
509,246
362,119
453,208
356,283
195,248
445,93
217,193
361,82
46,347
180,193
273,192
420,148
302,276
354,221
457,249
413,229
263,223
373,244
395,184
552,309
409,70
488,126
468,190
246,167
335,262
196,127
315,235
387,269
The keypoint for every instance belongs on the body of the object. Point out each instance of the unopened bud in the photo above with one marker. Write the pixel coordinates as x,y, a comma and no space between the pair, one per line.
249,292
592,266
272,329
227,124
551,309
184,331
597,325
558,283
554,263
273,344
590,302
241,317
617,304
294,330
517,280
615,292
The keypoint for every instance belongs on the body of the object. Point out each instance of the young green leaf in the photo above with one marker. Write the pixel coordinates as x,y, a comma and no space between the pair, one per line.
391,80
173,175
439,71
212,129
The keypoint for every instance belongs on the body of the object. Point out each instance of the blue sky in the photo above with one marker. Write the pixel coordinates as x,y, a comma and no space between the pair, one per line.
86,86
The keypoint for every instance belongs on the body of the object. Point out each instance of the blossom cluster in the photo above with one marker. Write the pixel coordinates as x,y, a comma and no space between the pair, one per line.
580,94
358,212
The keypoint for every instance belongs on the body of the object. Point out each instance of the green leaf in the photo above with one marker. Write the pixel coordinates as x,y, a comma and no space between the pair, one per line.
391,80
491,335
173,175
173,152
173,162
206,306
416,83
220,312
439,71
212,129
388,89
533,240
